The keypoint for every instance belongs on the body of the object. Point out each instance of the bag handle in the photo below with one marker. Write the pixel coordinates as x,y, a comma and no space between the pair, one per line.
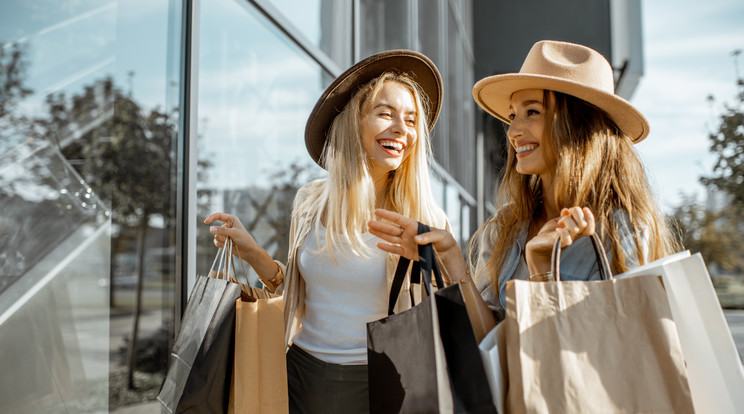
225,262
426,264
604,264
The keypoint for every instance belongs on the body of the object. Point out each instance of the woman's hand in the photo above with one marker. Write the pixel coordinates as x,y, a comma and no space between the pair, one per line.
244,245
402,238
574,223
243,242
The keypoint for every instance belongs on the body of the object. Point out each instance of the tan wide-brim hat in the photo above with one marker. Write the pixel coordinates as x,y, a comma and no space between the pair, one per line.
419,67
569,68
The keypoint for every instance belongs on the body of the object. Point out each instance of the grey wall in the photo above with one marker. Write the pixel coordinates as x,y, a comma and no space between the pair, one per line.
505,30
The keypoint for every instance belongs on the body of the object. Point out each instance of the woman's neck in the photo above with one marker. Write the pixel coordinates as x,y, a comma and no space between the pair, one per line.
381,187
550,208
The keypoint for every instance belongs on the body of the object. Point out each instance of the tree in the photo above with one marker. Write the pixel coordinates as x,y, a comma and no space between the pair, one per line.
716,234
127,158
727,143
12,90
717,231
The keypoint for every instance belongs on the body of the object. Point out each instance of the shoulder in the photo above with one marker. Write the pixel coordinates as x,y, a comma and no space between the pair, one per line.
307,197
630,235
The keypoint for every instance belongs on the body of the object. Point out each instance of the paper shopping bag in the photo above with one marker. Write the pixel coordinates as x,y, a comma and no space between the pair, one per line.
714,368
493,353
407,368
425,359
606,346
259,381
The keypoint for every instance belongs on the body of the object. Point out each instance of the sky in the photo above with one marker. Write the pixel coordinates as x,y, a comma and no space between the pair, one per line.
687,53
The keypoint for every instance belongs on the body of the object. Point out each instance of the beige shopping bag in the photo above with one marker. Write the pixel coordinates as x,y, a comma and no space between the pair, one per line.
604,346
715,370
259,372
259,380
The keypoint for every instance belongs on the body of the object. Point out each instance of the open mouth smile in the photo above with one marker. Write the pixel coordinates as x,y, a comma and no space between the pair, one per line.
524,150
392,147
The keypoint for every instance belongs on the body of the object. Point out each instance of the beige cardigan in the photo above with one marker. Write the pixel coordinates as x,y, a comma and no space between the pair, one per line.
304,214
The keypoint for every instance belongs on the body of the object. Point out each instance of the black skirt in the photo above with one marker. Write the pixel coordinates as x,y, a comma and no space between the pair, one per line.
317,387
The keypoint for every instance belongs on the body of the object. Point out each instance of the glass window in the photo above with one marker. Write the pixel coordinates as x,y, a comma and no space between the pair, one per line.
453,210
256,90
430,29
88,137
431,38
437,189
326,24
385,24
467,224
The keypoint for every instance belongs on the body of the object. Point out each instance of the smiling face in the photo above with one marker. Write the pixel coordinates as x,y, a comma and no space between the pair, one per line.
388,128
527,114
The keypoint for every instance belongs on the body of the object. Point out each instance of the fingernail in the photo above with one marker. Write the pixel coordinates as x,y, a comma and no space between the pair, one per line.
213,229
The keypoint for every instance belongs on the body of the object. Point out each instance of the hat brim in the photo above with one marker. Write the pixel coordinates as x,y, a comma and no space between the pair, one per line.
493,94
340,91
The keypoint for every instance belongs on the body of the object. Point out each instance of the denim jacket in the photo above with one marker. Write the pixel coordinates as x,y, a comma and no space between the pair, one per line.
578,261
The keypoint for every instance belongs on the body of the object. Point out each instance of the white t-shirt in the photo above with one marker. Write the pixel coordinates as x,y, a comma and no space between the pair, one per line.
340,298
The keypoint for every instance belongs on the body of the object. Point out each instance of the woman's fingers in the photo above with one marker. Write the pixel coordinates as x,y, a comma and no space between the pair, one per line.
392,216
590,222
578,221
386,231
395,249
225,218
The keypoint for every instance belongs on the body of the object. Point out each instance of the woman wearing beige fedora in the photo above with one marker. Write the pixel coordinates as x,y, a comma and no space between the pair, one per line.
571,171
370,131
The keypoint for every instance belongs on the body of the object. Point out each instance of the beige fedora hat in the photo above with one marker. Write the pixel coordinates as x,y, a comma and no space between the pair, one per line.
568,68
337,95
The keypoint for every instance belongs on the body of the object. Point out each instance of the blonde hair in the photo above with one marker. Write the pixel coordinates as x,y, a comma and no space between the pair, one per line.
348,199
595,166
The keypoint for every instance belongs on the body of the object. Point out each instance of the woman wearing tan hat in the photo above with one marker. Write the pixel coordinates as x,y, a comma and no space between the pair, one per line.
370,130
571,170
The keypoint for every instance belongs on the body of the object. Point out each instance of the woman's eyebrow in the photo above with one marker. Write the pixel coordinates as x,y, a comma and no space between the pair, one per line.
526,103
391,107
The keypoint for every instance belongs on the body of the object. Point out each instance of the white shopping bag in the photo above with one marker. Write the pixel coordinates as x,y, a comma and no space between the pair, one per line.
493,352
715,372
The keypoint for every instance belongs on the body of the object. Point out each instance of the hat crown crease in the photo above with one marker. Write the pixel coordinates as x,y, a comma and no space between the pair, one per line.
578,64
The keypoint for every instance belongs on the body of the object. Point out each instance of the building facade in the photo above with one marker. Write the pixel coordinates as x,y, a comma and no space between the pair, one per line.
124,123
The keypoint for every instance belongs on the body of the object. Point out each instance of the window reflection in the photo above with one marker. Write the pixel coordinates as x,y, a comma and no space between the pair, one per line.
255,93
325,23
87,185
386,24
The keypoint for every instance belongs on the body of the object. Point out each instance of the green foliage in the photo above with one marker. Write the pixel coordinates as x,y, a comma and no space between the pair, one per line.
727,143
717,235
717,231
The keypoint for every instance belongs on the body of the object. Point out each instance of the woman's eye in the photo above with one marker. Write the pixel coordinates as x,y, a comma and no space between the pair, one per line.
533,112
411,122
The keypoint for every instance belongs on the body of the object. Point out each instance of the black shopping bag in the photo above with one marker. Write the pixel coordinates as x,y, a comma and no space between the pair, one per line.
201,360
409,352
470,388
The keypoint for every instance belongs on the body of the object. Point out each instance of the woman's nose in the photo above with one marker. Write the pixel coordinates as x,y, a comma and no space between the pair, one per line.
399,125
515,129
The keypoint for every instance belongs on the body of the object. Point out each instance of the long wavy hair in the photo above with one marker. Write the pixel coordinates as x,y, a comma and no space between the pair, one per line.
595,166
348,199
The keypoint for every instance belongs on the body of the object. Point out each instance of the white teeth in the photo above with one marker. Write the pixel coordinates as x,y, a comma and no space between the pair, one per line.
392,145
525,148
